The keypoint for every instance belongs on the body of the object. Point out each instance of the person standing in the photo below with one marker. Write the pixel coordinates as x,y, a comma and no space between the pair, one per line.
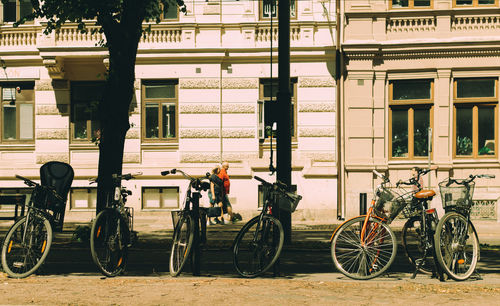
216,193
226,205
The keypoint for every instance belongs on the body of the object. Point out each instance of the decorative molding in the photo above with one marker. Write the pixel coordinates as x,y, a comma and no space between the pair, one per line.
52,134
131,158
316,107
201,83
44,85
238,133
214,157
213,108
132,134
214,133
319,157
55,67
46,157
316,82
137,84
240,83
51,109
316,132
405,54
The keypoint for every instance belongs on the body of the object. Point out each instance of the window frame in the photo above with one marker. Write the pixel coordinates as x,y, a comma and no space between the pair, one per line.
410,105
172,19
411,6
262,99
475,3
89,190
161,207
18,13
89,139
17,140
261,10
159,101
475,103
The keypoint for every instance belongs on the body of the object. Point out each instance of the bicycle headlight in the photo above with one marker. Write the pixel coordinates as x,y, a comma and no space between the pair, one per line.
117,194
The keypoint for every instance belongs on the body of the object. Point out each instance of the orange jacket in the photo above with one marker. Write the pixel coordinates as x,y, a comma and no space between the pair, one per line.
225,179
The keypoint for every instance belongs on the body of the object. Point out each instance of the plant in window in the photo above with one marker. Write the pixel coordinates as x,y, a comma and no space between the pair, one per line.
464,145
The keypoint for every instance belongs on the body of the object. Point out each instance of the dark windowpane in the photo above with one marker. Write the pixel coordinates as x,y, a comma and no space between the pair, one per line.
268,8
168,120
25,7
292,8
9,121
464,131
9,11
80,117
85,99
151,125
464,2
420,3
399,3
270,88
160,91
170,12
475,88
421,132
400,133
411,90
486,130
486,2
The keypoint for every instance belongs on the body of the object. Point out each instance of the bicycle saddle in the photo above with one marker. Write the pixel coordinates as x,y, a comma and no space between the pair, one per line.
425,194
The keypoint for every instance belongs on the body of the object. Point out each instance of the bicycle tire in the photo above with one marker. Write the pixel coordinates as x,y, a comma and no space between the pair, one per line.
350,256
412,244
20,260
181,244
256,252
457,252
108,242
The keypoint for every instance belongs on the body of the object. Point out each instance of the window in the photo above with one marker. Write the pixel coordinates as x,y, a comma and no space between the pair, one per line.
269,8
410,116
83,198
170,13
159,111
13,10
475,117
475,3
268,111
18,112
411,4
14,191
160,197
85,98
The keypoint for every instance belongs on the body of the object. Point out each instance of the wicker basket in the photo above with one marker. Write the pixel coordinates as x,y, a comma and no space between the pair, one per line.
455,195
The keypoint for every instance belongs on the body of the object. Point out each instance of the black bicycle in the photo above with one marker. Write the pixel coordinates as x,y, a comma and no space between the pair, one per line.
259,242
457,244
28,241
186,222
112,230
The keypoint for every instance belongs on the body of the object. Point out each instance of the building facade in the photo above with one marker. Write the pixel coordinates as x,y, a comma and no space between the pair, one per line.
203,94
411,65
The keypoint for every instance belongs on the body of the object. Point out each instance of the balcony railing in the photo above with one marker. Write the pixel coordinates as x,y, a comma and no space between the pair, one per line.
18,37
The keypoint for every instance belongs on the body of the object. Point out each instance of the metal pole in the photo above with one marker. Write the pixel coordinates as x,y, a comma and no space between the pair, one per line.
283,143
195,253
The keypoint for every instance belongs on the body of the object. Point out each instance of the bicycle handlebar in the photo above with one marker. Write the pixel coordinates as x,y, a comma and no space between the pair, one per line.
32,184
26,181
280,185
467,181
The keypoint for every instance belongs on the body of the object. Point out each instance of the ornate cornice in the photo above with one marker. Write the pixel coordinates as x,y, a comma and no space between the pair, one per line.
213,108
55,67
316,82
240,83
46,157
214,133
199,83
52,134
316,107
419,54
316,132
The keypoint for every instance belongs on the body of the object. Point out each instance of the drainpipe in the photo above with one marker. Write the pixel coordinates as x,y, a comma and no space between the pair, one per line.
339,68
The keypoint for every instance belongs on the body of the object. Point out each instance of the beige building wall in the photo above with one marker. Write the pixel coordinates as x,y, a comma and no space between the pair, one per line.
382,44
217,54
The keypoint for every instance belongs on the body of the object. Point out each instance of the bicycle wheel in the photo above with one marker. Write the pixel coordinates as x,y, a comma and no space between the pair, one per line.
414,246
181,244
257,246
457,246
367,257
26,246
108,242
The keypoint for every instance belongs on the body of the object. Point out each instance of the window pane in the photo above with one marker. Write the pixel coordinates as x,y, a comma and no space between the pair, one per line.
292,8
486,2
475,88
9,121
399,3
411,90
9,94
85,98
268,8
160,91
151,125
464,2
26,121
486,130
25,7
170,12
420,132
400,133
464,131
270,88
9,11
80,117
168,120
420,3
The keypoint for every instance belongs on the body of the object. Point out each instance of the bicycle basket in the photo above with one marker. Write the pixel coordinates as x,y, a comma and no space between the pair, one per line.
411,209
389,207
289,201
455,195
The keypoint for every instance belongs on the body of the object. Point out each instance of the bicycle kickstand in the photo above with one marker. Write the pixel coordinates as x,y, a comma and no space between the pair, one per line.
418,263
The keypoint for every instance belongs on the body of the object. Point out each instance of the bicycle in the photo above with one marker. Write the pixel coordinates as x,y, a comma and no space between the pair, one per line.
365,246
186,222
29,239
456,238
258,244
112,230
